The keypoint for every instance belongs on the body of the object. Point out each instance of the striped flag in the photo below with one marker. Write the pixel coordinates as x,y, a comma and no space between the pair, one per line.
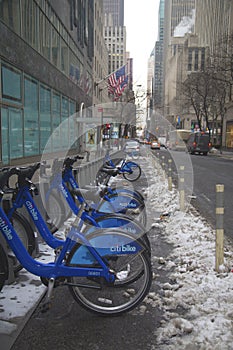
118,81
121,87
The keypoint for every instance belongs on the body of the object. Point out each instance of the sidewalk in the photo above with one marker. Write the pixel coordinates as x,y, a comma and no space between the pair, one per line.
19,299
223,154
196,303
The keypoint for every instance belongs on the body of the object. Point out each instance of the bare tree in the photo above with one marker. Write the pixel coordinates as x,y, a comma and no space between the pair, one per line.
208,91
197,92
222,62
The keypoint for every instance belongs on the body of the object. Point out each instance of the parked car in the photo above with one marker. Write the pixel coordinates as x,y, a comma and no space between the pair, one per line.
199,142
155,145
132,148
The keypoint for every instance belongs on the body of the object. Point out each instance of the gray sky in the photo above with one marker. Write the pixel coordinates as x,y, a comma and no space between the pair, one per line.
141,21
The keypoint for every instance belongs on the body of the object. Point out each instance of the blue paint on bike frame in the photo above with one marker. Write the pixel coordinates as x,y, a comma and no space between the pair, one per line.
120,203
24,198
125,166
91,251
54,269
106,246
113,204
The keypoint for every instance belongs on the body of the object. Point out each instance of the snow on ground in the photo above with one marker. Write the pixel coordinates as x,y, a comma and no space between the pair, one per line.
18,298
197,302
205,296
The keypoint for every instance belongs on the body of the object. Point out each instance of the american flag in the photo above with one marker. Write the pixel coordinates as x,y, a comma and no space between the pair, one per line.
121,87
117,81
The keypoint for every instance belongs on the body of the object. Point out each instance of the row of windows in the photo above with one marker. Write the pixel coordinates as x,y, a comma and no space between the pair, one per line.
196,59
31,114
114,31
42,29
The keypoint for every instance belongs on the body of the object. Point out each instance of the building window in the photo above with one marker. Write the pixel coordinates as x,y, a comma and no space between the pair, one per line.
190,56
15,133
196,59
5,135
45,118
64,57
56,120
202,59
55,48
32,115
30,23
45,37
31,118
73,138
65,123
10,14
11,84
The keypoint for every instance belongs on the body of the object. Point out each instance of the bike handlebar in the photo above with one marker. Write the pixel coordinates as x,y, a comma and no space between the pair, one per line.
5,175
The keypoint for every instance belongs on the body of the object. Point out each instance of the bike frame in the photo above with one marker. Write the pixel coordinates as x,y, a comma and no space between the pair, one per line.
125,166
24,198
120,202
56,269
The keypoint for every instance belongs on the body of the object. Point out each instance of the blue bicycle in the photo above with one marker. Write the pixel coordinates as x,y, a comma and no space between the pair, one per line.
63,189
21,225
23,197
94,267
131,171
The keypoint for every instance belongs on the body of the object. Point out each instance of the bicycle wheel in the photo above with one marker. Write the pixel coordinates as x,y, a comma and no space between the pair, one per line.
124,203
139,214
134,192
121,222
26,234
97,295
3,267
136,171
125,223
56,212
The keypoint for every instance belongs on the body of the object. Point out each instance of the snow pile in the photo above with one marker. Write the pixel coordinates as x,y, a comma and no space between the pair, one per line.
185,25
197,302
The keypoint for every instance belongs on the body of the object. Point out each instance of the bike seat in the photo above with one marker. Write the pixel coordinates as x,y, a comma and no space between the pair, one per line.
110,171
88,195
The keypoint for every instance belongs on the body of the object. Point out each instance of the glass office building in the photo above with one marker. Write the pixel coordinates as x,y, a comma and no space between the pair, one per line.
46,56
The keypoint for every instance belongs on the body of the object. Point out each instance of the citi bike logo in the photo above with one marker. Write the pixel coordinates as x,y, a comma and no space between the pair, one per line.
129,229
5,229
123,248
128,205
64,192
32,210
73,184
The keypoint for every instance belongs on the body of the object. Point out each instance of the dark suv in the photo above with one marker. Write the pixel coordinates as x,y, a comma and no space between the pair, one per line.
198,142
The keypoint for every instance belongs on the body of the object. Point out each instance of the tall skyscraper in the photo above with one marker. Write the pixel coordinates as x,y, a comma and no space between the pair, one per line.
213,21
180,9
115,33
158,69
177,13
114,9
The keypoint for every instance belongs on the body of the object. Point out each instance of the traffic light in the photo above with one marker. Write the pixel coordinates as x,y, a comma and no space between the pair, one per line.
108,126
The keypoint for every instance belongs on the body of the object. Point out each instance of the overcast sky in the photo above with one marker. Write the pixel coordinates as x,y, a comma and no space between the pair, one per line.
141,21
